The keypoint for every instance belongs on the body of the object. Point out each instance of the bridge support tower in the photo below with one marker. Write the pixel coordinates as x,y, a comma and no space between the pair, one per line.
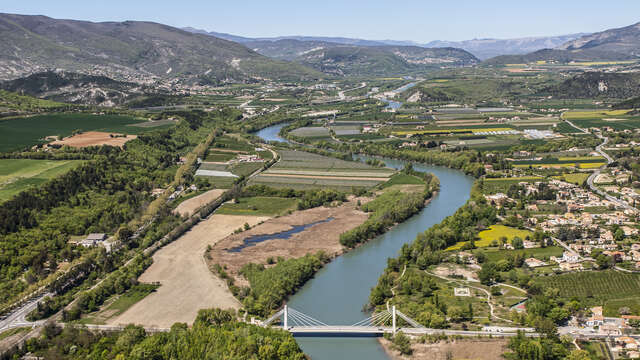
393,313
286,315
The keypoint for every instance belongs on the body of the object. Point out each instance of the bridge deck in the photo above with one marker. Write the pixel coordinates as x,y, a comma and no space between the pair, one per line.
372,330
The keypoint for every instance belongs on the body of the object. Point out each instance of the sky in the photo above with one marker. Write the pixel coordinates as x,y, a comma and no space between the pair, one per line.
416,20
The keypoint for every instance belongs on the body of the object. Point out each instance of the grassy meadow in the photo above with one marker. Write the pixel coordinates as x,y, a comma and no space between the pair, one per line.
20,133
17,175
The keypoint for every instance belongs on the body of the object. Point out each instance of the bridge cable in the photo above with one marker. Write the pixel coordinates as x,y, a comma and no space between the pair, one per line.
308,318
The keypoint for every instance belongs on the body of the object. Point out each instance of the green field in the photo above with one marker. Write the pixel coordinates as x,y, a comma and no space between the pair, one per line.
218,156
245,168
19,133
17,175
259,205
494,255
494,233
121,304
625,123
595,287
574,178
403,179
593,114
132,296
229,142
492,186
311,132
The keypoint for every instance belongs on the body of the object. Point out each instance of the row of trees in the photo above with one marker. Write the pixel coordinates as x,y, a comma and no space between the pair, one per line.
386,210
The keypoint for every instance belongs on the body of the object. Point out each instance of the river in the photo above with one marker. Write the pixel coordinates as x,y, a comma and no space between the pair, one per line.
395,105
339,291
271,133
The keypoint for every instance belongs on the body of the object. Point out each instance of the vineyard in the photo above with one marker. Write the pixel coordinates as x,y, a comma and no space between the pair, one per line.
597,285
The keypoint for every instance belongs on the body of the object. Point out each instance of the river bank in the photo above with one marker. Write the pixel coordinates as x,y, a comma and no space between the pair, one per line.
187,285
323,236
476,349
338,292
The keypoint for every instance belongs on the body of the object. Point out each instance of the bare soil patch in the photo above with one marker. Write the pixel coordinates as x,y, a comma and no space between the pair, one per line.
93,138
489,349
448,270
188,207
323,236
187,285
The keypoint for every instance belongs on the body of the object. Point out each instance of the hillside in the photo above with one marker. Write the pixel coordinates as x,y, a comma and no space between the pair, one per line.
488,48
597,85
286,49
130,50
75,88
12,104
625,40
346,60
560,56
608,45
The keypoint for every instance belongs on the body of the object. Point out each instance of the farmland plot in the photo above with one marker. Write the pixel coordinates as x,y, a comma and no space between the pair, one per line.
595,286
301,170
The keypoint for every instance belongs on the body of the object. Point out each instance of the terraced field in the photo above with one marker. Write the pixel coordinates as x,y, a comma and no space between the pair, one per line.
302,170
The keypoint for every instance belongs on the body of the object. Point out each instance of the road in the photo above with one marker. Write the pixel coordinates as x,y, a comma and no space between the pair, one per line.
341,94
18,318
590,180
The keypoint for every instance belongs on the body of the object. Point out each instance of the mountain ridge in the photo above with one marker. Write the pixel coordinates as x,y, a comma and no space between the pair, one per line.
131,51
482,48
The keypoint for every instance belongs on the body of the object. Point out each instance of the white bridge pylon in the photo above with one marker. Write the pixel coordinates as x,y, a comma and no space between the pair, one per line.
380,322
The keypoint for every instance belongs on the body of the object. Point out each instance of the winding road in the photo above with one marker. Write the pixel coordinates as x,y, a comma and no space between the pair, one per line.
590,180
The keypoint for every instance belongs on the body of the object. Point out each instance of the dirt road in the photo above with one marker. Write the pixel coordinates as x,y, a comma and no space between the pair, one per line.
187,285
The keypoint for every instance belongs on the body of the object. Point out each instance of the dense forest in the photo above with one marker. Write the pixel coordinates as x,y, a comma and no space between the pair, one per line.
215,335
270,286
104,195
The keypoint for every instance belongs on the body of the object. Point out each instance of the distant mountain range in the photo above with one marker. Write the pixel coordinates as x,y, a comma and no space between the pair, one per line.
481,48
614,44
353,57
625,40
131,50
357,60
488,48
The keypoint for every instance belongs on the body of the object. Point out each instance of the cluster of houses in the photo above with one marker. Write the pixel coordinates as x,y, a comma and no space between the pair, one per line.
617,328
595,227
98,239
